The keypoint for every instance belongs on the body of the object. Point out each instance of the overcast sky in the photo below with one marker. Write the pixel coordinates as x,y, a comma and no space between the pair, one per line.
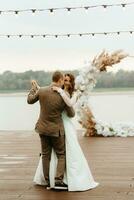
63,53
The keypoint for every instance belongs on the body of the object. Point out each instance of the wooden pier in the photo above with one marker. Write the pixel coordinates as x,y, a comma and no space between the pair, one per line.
111,161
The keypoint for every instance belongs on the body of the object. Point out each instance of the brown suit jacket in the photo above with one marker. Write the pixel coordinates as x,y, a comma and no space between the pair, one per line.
51,107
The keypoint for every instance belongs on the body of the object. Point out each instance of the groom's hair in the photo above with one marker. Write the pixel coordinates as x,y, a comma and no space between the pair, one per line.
56,76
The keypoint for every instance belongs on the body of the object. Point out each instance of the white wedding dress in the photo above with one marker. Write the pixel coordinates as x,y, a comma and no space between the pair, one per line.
77,176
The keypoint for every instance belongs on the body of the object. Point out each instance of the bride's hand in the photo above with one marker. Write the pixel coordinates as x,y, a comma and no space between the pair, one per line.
55,88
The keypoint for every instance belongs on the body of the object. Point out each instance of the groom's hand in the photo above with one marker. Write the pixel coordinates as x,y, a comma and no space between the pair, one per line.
35,85
33,95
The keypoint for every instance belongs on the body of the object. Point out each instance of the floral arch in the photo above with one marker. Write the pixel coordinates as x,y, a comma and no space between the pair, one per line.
85,82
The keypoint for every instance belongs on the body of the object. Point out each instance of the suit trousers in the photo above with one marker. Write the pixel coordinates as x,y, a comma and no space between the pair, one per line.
58,144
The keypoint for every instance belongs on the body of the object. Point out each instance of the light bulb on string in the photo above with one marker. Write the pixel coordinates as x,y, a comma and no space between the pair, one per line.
33,11
123,6
51,11
16,12
86,9
69,10
105,7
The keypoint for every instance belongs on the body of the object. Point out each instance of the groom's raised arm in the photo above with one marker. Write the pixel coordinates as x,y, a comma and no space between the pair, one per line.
33,96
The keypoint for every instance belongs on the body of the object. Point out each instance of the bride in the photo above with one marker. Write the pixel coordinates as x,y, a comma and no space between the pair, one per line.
77,176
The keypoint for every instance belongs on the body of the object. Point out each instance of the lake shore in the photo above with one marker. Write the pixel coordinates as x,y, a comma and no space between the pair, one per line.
93,93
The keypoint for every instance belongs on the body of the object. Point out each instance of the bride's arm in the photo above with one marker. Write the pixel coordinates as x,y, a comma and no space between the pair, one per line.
64,95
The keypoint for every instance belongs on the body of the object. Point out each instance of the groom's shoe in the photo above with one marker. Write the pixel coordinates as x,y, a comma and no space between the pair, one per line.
48,187
61,186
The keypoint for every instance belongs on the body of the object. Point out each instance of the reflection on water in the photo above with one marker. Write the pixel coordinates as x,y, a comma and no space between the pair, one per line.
16,114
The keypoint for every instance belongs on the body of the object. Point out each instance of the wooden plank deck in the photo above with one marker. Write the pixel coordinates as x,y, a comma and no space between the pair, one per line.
111,161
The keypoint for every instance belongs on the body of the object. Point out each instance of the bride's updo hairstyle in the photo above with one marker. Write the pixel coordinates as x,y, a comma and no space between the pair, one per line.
69,82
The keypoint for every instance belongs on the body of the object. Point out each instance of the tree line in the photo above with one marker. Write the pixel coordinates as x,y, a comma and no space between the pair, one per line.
21,81
121,79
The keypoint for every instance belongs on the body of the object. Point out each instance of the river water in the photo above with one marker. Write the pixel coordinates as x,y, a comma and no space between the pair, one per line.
16,114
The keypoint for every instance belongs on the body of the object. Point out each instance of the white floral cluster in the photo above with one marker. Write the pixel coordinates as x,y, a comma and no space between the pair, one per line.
85,82
115,129
86,77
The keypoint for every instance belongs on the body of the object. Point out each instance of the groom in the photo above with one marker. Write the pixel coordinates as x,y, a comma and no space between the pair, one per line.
50,125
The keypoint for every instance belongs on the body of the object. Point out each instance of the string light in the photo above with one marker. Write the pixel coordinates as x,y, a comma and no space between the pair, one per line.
16,12
33,11
123,6
68,34
69,9
105,7
86,9
51,11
